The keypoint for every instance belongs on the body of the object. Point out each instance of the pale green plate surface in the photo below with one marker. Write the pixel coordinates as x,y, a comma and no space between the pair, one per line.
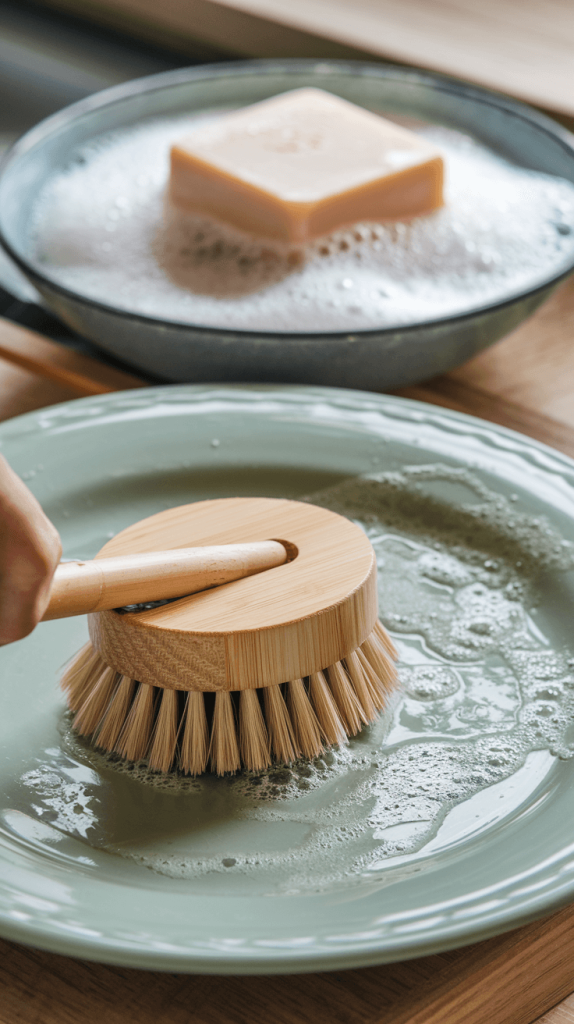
99,464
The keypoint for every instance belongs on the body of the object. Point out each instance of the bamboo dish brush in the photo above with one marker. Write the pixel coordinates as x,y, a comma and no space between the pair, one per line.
268,667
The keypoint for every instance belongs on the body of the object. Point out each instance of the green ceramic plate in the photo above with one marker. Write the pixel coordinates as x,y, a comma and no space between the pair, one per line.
449,821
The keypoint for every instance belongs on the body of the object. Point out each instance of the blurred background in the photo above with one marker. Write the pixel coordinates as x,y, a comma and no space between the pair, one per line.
57,51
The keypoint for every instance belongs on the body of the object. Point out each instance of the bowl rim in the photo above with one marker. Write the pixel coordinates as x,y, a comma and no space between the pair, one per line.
356,68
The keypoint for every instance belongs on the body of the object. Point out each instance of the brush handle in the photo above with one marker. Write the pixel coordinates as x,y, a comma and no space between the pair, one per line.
82,587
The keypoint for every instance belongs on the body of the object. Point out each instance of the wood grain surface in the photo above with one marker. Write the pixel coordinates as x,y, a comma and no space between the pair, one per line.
511,979
526,382
533,367
522,47
561,1014
49,363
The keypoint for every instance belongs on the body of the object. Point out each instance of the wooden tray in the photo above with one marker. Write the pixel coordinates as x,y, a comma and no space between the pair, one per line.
525,382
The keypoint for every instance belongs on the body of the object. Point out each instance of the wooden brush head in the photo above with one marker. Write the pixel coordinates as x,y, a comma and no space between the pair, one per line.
282,624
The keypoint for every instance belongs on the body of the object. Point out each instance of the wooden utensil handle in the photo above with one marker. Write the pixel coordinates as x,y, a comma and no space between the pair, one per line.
105,583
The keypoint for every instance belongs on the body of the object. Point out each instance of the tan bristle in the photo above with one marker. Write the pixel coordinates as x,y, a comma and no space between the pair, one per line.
80,675
360,682
224,749
195,739
384,638
379,658
134,738
326,710
253,737
282,738
90,714
345,698
116,714
383,668
379,690
304,720
333,705
164,737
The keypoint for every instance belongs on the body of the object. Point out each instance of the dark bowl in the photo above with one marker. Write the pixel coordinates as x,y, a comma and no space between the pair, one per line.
370,359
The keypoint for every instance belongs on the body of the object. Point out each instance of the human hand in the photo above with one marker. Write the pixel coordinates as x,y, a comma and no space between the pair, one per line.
30,550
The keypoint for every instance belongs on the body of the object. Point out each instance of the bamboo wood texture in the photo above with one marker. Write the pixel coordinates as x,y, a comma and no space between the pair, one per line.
82,587
526,382
292,621
522,47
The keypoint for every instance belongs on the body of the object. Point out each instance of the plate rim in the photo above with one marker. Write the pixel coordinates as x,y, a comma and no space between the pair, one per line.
282,960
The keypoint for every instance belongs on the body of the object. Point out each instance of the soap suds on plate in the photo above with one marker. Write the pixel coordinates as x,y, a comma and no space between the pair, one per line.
484,711
102,228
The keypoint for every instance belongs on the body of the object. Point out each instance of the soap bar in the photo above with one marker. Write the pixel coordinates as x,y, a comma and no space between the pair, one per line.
302,164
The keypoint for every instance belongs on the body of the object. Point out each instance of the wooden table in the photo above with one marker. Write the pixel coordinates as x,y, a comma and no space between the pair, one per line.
522,47
525,382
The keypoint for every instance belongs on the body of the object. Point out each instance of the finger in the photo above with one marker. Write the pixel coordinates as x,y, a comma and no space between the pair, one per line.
30,550
24,590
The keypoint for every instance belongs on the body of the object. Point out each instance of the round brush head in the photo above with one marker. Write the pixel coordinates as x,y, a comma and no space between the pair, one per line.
266,668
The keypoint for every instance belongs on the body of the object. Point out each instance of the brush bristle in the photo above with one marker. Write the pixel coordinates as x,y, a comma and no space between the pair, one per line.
379,633
283,744
195,740
116,714
325,708
356,673
346,699
93,708
378,690
228,731
304,720
164,739
224,748
133,741
253,737
80,675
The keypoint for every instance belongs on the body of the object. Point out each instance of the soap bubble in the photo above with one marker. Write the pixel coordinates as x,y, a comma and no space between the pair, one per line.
102,227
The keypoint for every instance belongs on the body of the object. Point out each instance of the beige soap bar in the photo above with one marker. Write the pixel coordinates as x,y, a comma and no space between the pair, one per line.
303,164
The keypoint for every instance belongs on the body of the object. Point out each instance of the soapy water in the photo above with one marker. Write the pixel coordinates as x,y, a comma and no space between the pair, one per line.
102,228
482,712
